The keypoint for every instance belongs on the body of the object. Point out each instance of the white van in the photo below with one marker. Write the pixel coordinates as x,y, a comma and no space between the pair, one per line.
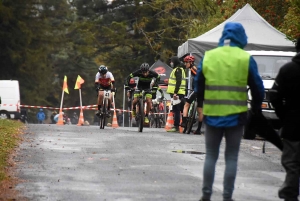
269,63
10,99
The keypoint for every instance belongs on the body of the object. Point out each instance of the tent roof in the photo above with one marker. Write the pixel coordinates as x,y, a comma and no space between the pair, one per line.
261,35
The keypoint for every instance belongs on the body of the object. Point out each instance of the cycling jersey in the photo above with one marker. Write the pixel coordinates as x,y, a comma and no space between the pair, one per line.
106,80
144,82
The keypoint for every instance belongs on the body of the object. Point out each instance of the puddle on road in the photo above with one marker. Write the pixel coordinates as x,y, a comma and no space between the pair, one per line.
188,152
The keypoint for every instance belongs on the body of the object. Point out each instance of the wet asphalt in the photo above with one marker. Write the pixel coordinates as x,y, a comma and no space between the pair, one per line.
85,163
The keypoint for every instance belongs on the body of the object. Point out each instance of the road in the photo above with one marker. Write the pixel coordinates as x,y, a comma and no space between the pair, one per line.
85,163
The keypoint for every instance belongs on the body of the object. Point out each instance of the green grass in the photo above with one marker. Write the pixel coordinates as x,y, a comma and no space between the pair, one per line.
10,131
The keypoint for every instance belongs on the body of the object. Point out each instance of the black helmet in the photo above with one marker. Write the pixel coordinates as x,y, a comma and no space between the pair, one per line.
102,69
175,61
144,67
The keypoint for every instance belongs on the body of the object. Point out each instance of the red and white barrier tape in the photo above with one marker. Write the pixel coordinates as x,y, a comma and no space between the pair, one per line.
88,107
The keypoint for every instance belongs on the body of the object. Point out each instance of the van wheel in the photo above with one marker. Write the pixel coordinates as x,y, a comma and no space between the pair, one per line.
4,115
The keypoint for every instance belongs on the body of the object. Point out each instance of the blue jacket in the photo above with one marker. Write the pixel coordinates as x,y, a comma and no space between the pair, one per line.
40,116
236,36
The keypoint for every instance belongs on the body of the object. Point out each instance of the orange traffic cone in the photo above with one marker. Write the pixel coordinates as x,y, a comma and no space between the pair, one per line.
170,121
115,121
80,120
60,118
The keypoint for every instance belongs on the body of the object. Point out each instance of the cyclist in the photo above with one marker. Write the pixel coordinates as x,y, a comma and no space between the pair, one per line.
104,80
145,76
189,64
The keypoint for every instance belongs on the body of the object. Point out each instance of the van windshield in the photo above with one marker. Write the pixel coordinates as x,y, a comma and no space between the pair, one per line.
268,66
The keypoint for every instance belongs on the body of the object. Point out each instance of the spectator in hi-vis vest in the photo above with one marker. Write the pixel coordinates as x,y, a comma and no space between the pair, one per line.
40,116
176,89
221,83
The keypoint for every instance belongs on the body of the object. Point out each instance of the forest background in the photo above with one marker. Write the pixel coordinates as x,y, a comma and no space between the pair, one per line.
43,40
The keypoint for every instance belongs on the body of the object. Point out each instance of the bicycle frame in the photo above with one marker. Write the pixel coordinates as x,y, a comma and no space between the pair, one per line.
106,96
140,115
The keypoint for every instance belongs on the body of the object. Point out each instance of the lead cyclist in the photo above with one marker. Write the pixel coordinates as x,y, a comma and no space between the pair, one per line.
104,80
145,76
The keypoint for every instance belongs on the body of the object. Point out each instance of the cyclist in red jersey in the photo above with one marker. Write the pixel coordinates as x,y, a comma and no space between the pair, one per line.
104,80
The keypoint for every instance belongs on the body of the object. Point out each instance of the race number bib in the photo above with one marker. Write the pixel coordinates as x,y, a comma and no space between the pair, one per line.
107,94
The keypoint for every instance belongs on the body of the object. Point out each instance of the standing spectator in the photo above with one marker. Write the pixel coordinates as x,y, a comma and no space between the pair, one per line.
120,118
223,74
176,89
189,64
40,116
74,119
284,99
54,113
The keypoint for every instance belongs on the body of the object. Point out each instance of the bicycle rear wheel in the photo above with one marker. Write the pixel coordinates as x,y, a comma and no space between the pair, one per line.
141,115
191,118
103,115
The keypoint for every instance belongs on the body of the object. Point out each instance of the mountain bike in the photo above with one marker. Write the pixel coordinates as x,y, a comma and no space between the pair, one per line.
104,110
140,114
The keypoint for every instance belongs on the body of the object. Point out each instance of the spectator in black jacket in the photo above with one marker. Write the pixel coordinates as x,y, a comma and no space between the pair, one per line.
285,99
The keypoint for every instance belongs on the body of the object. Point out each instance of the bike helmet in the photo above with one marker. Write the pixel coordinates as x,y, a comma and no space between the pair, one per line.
102,69
145,67
189,58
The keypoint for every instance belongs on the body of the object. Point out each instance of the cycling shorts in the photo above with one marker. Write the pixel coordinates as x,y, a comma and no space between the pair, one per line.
137,94
191,97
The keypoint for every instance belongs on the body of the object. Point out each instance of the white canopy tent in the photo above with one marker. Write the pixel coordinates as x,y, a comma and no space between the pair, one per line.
261,35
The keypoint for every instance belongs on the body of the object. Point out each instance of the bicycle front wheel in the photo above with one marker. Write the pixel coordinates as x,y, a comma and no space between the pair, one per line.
103,115
141,115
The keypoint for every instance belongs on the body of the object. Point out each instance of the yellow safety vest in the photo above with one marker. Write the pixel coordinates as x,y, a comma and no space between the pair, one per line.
226,76
172,82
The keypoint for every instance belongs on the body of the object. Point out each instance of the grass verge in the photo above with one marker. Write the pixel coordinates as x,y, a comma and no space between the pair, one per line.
10,131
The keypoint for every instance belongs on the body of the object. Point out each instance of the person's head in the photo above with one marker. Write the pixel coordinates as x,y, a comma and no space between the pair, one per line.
41,110
297,45
102,69
174,61
145,69
234,33
189,61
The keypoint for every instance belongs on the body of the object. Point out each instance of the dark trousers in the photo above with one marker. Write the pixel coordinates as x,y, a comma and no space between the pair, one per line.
290,160
177,109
